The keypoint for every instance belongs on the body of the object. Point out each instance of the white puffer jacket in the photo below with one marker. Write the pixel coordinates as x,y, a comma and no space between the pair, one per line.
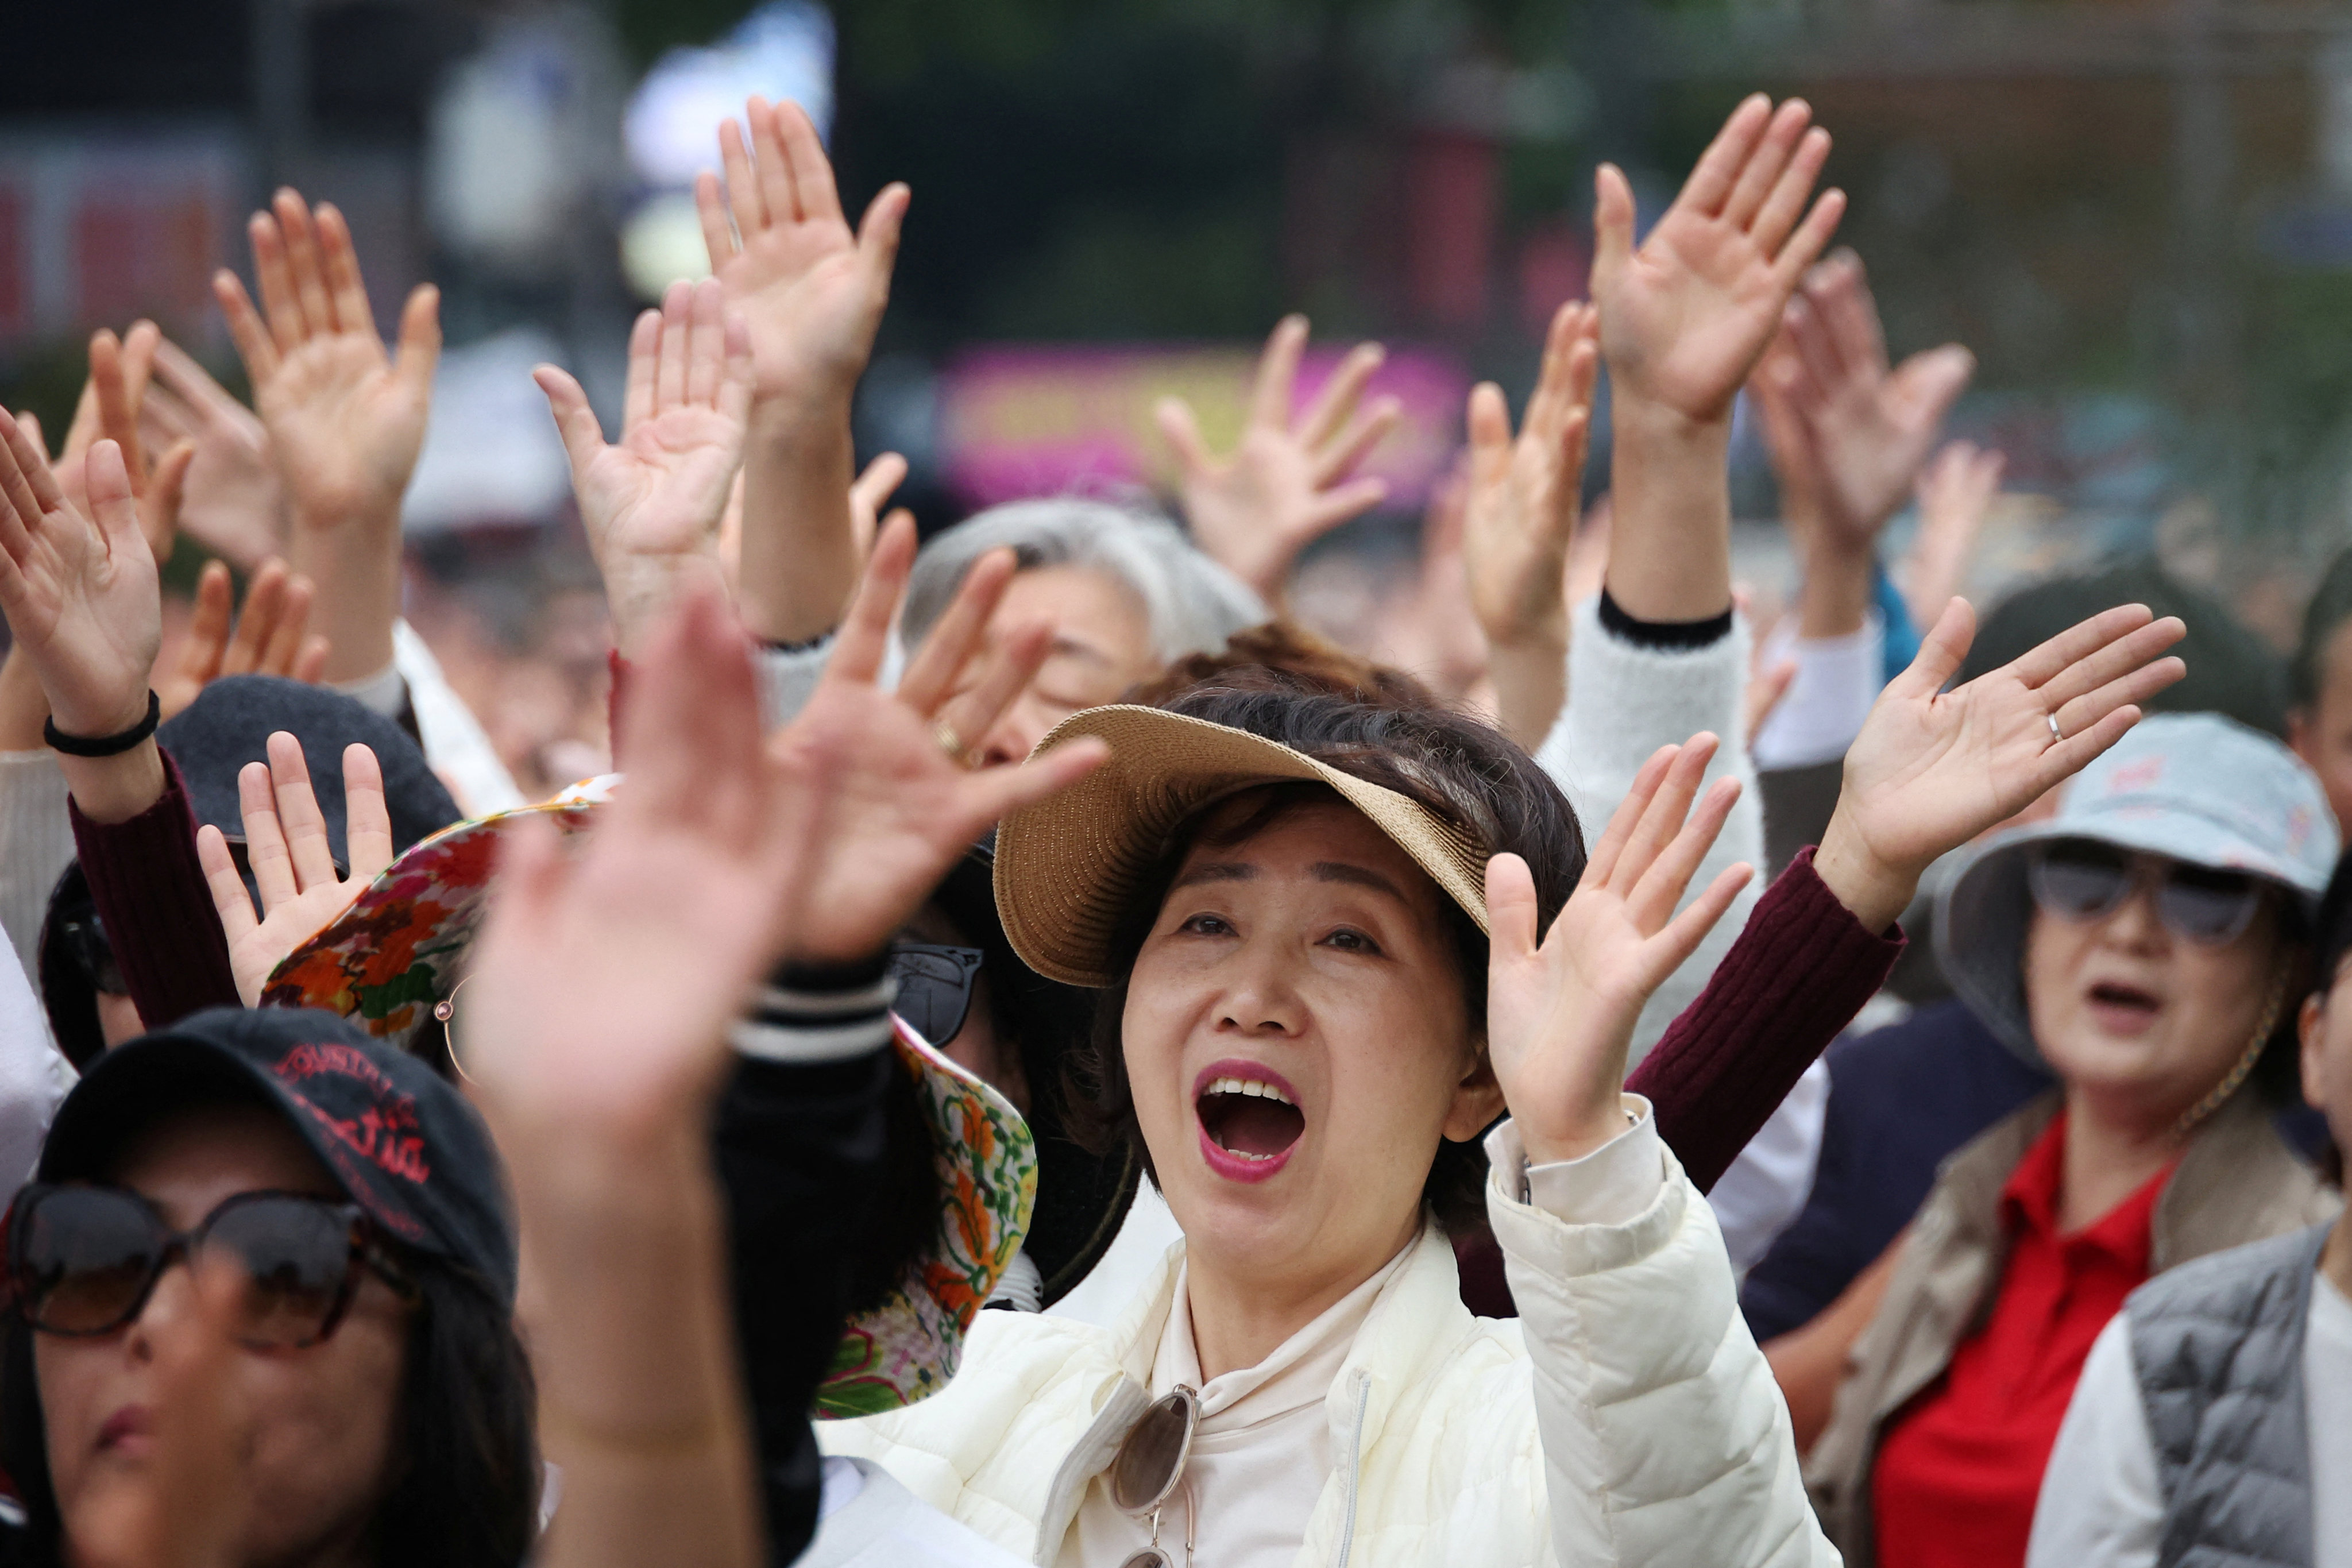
1625,1418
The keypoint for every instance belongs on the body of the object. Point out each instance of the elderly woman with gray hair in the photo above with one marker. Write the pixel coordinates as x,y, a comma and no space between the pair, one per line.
1126,593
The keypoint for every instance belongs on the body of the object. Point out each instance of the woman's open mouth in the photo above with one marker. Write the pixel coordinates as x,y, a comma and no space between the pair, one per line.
2124,1009
1250,1120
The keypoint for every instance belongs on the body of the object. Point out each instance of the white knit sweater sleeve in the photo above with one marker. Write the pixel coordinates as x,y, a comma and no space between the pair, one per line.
1624,701
788,679
37,843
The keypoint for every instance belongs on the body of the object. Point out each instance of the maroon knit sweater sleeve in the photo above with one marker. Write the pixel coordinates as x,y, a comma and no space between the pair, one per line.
1797,975
151,897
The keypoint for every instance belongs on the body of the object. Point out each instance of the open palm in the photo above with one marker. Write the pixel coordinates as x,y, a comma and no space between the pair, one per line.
346,430
811,292
1519,515
1870,427
1932,769
606,972
1685,317
293,861
1560,1015
652,502
345,420
1292,477
81,596
907,807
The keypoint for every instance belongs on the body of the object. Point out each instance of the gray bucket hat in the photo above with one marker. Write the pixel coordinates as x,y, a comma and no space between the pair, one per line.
2189,787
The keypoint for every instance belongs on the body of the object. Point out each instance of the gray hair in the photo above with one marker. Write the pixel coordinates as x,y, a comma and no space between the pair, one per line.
1194,604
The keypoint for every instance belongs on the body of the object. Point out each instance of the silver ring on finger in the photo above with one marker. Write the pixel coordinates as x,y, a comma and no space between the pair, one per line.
2057,734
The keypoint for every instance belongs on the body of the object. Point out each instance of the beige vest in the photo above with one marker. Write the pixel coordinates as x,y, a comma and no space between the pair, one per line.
2236,1182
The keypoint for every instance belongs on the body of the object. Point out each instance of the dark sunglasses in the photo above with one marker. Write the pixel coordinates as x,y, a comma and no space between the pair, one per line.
934,987
2081,880
83,1260
92,954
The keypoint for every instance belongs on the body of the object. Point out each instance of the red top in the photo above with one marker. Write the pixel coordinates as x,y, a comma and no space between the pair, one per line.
1960,1467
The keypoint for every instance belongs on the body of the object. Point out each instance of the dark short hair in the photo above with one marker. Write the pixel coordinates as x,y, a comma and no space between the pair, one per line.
1462,771
466,1491
2329,610
2331,940
2232,671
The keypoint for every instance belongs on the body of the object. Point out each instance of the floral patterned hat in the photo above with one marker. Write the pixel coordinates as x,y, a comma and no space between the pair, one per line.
396,957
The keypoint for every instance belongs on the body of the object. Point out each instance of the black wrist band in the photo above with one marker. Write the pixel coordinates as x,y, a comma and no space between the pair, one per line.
1673,636
801,645
104,745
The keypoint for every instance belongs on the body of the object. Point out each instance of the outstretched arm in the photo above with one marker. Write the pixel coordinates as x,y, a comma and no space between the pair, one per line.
345,420
1931,770
813,294
1603,1243
1683,320
599,1009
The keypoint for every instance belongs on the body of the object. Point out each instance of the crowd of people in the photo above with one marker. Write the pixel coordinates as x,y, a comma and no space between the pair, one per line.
1034,1056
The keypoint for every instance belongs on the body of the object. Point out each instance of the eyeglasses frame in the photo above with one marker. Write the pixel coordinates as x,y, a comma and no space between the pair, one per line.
366,1252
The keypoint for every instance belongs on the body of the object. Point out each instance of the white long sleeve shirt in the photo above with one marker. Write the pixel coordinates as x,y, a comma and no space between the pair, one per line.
2101,1505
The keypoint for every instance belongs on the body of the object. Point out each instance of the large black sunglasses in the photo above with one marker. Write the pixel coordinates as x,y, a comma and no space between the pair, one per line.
2084,879
92,954
934,987
82,1261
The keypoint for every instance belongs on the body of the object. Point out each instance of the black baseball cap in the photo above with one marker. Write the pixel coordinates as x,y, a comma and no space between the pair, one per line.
231,721
402,1142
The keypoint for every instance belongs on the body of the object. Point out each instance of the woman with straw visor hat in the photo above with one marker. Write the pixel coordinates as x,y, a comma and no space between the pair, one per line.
1286,900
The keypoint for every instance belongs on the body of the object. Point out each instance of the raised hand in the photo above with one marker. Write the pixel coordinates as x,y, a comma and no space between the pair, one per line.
1932,769
272,637
1560,1014
1287,484
594,1038
1684,318
811,291
602,982
235,506
114,401
1520,517
345,419
79,592
812,295
111,401
910,801
883,475
293,863
652,503
1955,494
1868,427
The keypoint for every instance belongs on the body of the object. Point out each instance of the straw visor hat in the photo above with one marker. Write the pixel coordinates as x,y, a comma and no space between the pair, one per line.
1068,868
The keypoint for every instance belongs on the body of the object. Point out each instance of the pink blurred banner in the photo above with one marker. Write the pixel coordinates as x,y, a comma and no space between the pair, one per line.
1020,420
102,228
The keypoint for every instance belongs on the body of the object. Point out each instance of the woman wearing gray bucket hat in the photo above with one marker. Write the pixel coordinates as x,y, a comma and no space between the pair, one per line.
2145,944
